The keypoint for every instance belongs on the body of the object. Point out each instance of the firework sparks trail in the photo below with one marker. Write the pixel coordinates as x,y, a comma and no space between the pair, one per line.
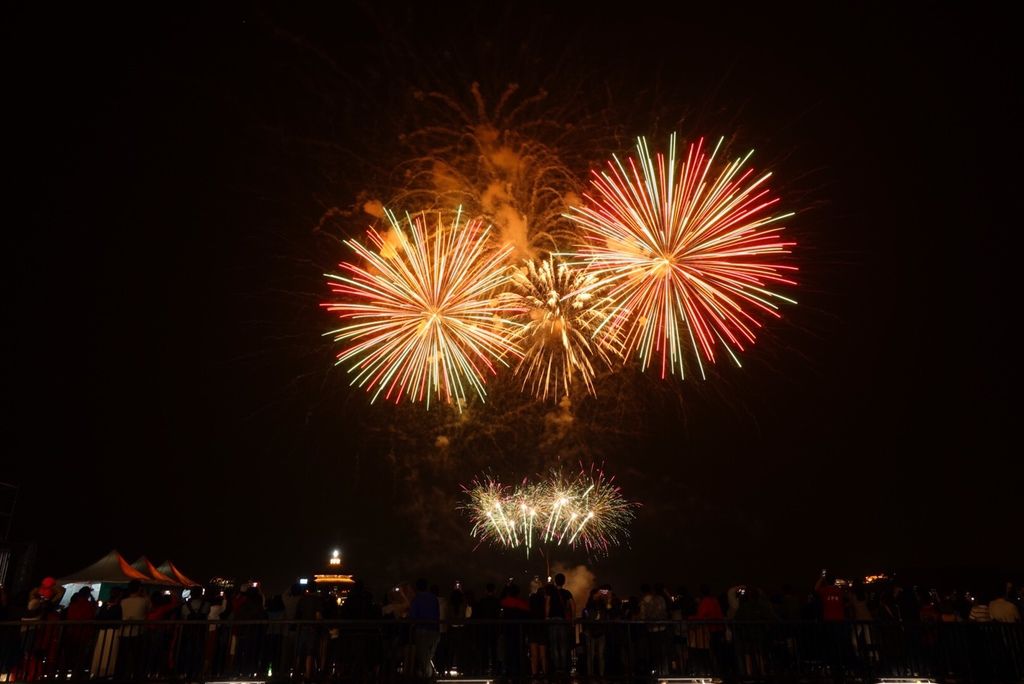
688,248
563,307
586,511
421,317
496,159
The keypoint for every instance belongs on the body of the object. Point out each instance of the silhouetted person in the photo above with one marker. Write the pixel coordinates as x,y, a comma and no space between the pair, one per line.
751,640
108,640
248,637
537,633
653,606
1002,609
307,639
601,607
425,610
833,607
833,613
514,607
455,639
164,605
192,646
706,637
359,645
134,607
488,607
560,610
272,650
979,610
78,639
40,633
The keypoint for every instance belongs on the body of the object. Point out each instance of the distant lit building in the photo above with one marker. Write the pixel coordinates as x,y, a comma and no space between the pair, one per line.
333,581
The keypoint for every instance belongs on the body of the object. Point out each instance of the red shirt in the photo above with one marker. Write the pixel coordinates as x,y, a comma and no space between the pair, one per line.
161,612
832,608
81,609
515,607
710,609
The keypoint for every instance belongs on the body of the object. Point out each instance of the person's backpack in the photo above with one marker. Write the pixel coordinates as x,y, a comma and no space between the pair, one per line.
559,606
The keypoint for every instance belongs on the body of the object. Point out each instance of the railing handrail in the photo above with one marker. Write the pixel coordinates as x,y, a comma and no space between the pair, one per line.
501,621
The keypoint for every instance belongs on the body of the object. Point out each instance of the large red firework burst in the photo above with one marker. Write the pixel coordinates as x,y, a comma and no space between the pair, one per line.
690,249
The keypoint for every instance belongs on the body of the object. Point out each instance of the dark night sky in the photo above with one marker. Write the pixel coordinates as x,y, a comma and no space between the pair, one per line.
171,394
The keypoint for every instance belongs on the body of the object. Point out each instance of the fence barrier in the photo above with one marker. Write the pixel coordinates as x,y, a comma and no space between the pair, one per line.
509,650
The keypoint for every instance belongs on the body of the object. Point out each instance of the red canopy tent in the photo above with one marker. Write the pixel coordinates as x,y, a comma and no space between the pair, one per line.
170,570
111,568
110,571
144,566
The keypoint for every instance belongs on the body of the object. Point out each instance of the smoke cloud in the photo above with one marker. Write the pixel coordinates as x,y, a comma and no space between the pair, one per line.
579,580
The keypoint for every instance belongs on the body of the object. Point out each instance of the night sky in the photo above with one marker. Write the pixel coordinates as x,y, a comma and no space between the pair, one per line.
172,395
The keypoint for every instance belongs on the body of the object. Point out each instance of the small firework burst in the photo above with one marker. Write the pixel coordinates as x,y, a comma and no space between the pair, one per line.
562,309
586,511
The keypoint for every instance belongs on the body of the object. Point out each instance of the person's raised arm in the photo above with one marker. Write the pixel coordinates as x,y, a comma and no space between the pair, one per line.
733,597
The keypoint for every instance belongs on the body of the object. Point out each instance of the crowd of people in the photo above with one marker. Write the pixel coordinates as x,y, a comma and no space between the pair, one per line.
539,630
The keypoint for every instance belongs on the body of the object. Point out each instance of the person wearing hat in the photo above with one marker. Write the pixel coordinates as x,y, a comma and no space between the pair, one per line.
43,609
46,596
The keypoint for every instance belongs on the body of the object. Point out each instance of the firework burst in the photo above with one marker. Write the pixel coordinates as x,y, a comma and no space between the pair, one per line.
586,511
689,249
421,317
563,307
500,158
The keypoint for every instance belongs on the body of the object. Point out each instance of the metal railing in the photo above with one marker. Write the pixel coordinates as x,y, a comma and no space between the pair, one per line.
400,650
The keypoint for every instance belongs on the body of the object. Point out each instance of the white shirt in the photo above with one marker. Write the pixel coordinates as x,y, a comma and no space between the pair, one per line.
979,613
216,609
135,607
290,604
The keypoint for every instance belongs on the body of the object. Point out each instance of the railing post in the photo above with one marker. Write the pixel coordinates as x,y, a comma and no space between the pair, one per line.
630,659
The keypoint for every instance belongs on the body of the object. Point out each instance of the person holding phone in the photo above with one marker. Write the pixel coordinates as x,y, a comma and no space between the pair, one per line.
833,599
602,607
